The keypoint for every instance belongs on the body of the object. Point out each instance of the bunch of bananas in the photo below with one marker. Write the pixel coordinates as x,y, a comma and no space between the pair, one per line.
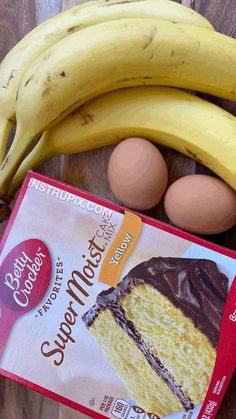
51,80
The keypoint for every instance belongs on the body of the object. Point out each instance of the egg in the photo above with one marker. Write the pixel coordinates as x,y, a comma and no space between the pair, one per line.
137,174
201,204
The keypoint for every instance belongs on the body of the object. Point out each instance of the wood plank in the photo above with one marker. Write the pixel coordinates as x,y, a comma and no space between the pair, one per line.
17,18
46,9
17,402
66,4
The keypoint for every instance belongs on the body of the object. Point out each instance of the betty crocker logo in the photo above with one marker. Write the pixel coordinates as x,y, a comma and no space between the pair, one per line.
25,275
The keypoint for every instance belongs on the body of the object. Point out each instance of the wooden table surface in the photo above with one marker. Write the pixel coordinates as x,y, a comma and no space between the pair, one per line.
88,171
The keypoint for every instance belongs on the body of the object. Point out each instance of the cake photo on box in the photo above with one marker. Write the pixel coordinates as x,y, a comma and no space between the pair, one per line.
159,330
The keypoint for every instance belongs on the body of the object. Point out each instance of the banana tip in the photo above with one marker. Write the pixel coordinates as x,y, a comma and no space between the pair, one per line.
5,211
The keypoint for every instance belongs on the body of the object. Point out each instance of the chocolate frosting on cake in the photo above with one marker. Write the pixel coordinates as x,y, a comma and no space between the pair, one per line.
195,286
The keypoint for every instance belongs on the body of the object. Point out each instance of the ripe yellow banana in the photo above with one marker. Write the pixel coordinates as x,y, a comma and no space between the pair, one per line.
66,23
164,115
111,55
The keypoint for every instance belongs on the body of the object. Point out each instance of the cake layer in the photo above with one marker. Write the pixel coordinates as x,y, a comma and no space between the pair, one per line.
193,285
131,365
171,309
186,353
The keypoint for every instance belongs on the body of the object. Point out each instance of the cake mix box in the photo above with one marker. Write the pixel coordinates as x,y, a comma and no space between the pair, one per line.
113,313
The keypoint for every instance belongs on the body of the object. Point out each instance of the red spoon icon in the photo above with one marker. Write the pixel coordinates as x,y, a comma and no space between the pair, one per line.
24,279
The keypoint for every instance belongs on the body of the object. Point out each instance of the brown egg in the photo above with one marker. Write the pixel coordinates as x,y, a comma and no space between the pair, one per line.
137,174
201,204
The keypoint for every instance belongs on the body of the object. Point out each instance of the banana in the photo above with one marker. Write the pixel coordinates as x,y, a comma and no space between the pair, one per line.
112,55
164,115
5,211
64,24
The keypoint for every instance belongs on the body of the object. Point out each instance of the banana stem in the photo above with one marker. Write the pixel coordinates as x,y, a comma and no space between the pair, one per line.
6,126
39,155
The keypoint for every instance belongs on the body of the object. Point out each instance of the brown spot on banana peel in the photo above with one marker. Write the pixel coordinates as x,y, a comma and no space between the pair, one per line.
136,78
29,80
46,91
198,46
149,39
74,29
193,155
47,55
87,119
10,78
119,2
151,56
48,84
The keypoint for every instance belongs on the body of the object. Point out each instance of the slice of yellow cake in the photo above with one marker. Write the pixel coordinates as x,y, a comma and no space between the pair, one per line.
159,330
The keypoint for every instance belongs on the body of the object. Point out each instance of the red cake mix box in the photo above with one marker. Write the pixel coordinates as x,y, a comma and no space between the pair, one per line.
113,313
